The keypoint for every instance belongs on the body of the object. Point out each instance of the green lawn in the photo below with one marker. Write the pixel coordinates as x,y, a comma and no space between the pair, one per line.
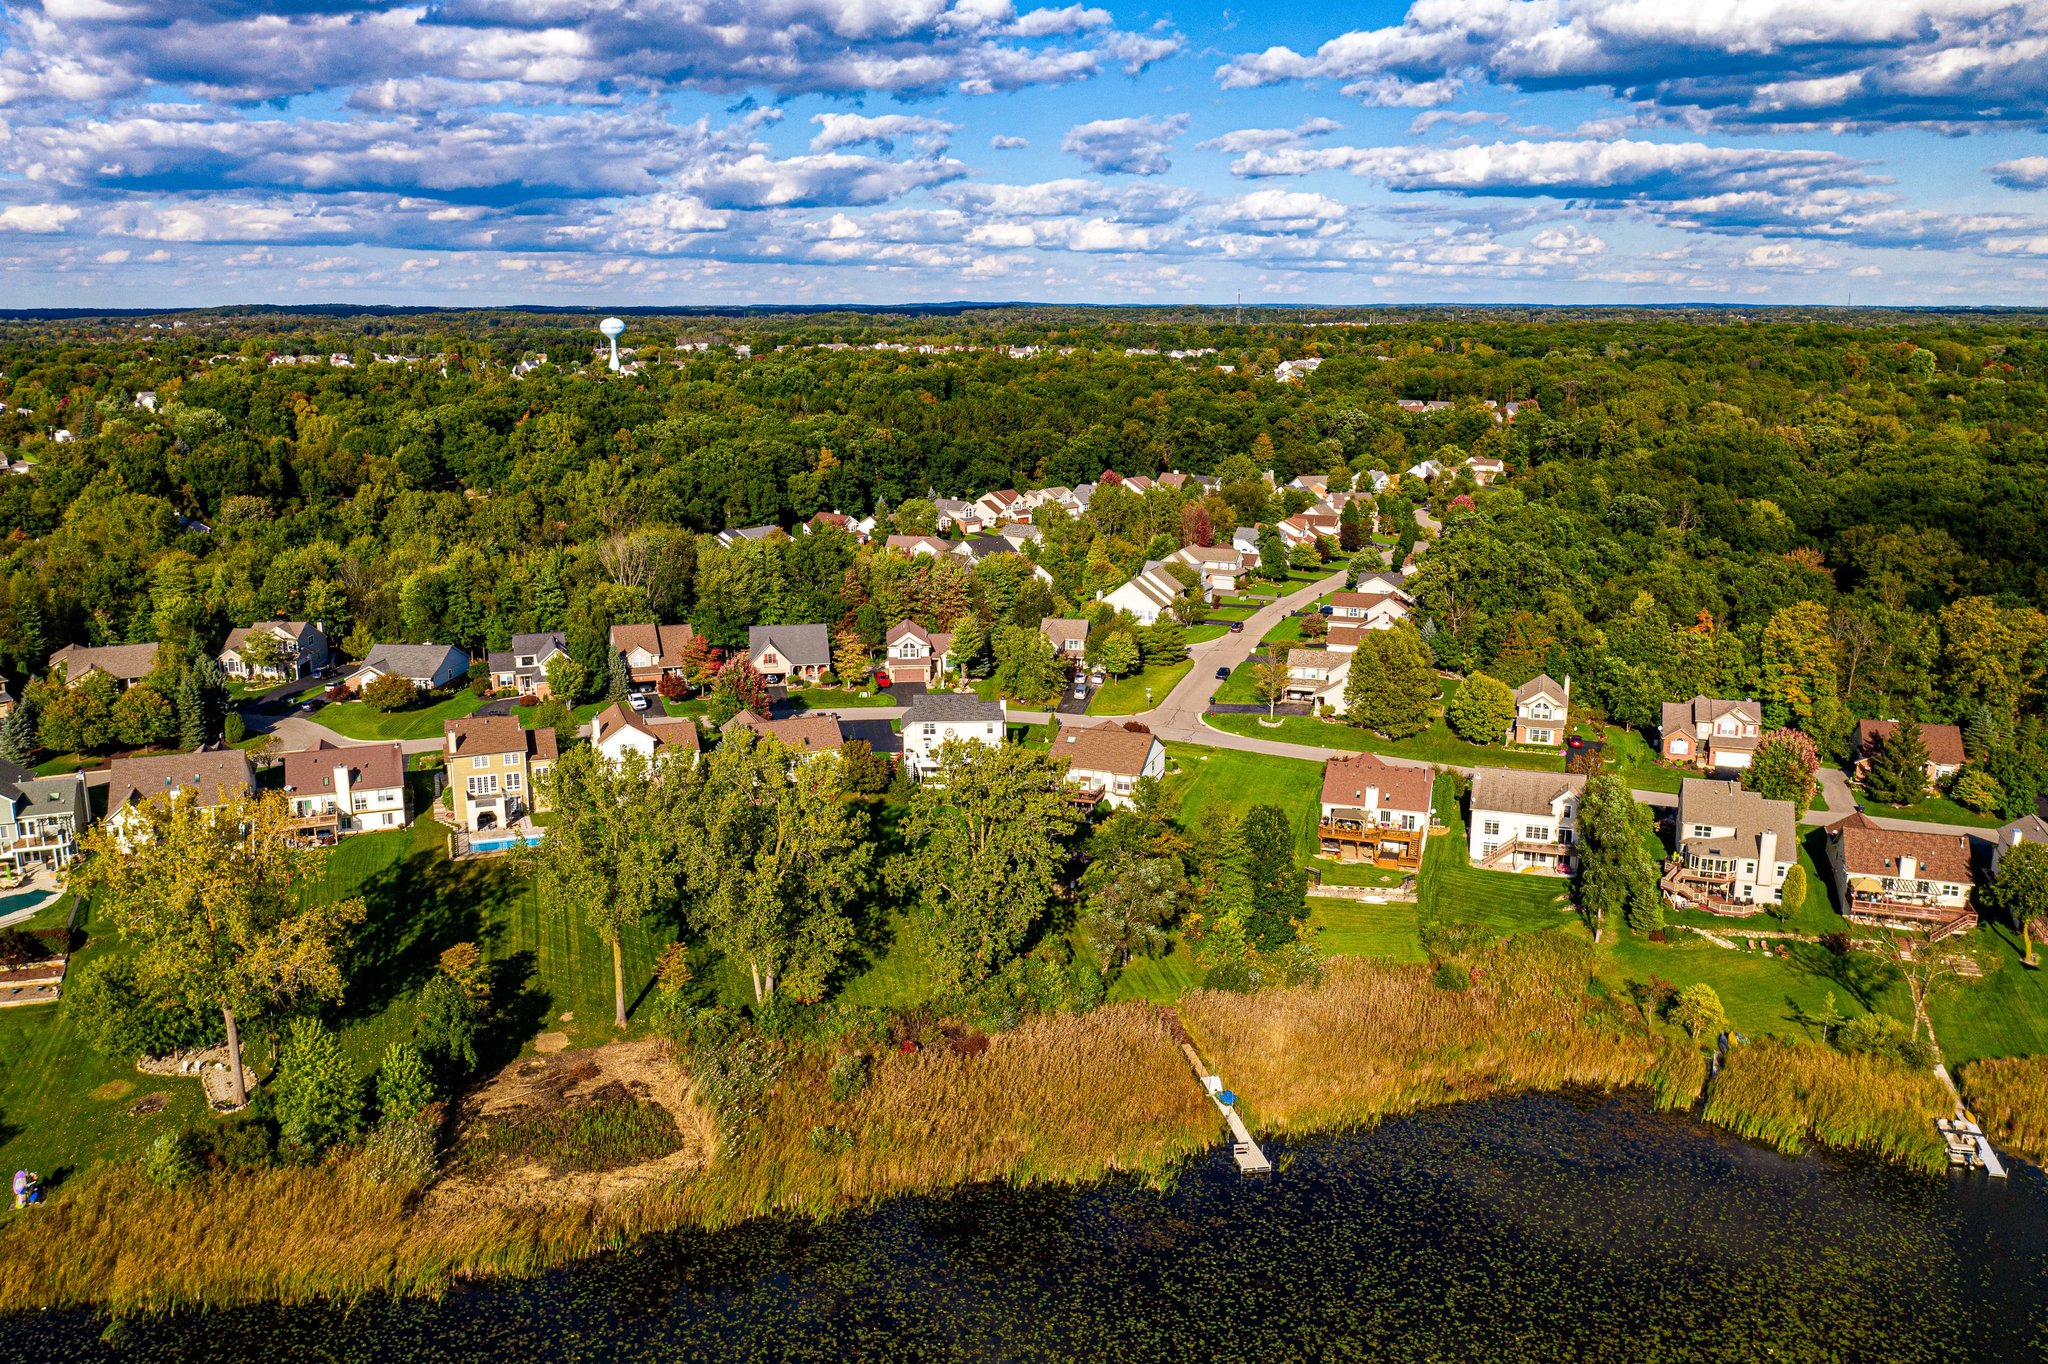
1127,695
834,698
1287,631
1238,781
1202,634
1629,754
1451,890
1933,810
2003,1014
1345,928
1434,745
355,720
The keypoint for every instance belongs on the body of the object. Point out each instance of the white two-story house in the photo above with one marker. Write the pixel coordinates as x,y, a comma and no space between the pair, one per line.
338,790
932,720
1541,708
40,818
1148,596
300,649
1734,848
1106,762
1525,821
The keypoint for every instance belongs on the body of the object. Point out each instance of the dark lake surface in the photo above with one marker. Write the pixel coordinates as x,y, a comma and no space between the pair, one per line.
1534,1228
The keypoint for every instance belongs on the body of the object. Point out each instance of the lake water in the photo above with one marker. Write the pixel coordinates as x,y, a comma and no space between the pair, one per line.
1535,1228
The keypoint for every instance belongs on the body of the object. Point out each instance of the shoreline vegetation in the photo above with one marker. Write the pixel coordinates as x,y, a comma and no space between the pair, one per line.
1062,1097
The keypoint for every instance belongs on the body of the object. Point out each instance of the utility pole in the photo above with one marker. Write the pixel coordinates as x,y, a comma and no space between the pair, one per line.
1238,320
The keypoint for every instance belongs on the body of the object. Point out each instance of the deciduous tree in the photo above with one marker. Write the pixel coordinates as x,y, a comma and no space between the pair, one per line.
221,908
1481,710
2020,890
1784,767
1617,875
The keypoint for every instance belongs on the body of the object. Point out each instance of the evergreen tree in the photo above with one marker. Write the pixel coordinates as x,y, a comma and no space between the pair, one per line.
1164,641
1980,736
1898,772
18,734
319,1100
1272,554
617,680
1617,876
1351,533
191,712
1279,887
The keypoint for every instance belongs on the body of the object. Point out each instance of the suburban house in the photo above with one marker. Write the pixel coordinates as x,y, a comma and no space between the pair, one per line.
1245,540
1426,470
1540,710
1018,534
427,666
1945,755
1137,483
912,653
859,528
1345,638
2025,829
6,700
40,818
1374,811
1897,878
1220,566
494,764
301,650
805,733
1734,848
125,663
1148,596
652,652
1525,821
336,790
957,515
1709,733
1373,610
933,719
1297,531
784,653
918,544
1001,505
727,538
1318,675
1069,637
1485,469
209,776
1384,582
978,547
618,727
1315,485
1106,762
522,670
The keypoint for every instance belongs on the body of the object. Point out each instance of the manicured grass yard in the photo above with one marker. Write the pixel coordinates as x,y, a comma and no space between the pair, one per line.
1629,755
1126,695
1933,810
836,698
1451,890
1238,781
1434,745
1346,928
355,720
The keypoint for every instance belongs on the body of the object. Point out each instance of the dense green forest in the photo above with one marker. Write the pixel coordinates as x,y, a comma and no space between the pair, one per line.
1698,503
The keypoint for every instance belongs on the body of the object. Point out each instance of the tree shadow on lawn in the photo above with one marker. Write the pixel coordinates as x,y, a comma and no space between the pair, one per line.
520,1006
1864,976
415,910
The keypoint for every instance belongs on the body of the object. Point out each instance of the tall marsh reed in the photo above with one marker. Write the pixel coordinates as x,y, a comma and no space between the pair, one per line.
2010,1097
1792,1095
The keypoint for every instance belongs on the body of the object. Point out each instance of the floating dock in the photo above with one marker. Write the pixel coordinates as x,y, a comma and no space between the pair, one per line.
1968,1147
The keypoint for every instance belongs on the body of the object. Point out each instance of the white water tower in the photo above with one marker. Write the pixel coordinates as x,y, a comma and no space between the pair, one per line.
611,327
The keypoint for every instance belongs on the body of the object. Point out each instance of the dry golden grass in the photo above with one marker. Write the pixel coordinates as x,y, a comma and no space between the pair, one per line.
2010,1097
1376,1039
1063,1097
1791,1094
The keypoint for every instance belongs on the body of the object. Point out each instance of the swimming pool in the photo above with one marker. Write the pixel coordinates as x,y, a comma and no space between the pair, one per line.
500,842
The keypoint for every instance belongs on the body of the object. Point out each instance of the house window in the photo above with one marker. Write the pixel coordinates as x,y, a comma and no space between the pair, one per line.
1492,826
1537,833
931,731
1749,868
1539,736
483,786
512,759
1702,831
481,760
511,781
1488,849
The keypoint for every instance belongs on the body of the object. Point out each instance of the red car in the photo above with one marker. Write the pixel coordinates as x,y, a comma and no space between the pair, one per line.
881,678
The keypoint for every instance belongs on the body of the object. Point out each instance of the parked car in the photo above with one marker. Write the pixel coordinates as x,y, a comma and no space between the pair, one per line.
1223,674
638,700
882,679
1080,691
1095,678
1237,627
1326,610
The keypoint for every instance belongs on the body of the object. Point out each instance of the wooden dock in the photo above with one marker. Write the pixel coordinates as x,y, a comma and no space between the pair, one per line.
1250,1159
1968,1147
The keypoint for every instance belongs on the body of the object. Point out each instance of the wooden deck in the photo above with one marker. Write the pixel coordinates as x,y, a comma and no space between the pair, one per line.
1938,921
1387,848
1245,1151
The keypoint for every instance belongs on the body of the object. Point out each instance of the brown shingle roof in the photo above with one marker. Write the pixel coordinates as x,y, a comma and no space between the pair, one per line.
1870,849
372,766
1944,742
1345,781
213,775
1105,748
128,662
501,734
665,642
809,733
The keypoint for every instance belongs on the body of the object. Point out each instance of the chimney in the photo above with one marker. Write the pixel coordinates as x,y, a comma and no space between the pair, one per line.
1766,855
1372,797
1909,869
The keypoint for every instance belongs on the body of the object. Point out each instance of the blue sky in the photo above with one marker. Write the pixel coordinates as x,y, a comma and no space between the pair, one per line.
655,152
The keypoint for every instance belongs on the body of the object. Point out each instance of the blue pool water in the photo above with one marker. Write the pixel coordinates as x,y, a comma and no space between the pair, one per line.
20,900
500,842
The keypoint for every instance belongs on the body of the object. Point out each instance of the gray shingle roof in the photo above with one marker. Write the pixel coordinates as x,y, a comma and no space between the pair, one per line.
806,646
1522,793
1724,804
947,707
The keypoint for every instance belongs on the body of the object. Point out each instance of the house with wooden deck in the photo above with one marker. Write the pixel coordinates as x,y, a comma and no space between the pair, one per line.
1375,811
934,720
1902,878
1735,849
1106,762
1525,821
336,790
40,819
